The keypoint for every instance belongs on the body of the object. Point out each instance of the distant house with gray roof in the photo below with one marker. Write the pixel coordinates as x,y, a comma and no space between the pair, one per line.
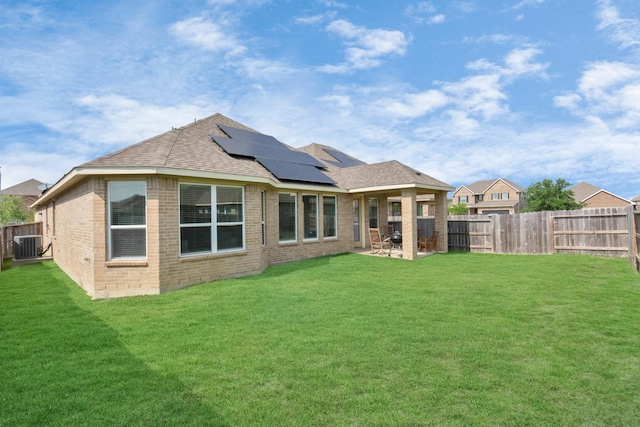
595,197
216,199
494,196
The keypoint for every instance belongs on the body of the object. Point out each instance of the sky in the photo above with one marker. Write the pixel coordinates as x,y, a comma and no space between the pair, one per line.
461,90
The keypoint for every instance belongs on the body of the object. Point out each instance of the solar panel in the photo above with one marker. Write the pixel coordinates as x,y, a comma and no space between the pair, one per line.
282,162
249,136
294,171
343,160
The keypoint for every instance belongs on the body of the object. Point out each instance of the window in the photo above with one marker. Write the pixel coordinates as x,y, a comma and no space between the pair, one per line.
505,196
330,216
310,215
495,196
479,197
203,232
263,206
396,209
419,209
373,213
463,199
287,209
127,219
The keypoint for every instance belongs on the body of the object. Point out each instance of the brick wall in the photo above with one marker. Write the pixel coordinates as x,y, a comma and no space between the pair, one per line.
77,224
605,200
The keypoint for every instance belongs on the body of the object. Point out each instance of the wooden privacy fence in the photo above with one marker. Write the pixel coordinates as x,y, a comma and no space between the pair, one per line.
598,231
10,231
636,223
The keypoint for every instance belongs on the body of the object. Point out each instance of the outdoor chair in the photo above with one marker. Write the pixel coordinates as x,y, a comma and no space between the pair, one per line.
429,243
377,243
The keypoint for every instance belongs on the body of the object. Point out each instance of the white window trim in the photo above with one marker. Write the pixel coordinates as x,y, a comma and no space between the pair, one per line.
335,216
124,227
213,225
311,239
295,218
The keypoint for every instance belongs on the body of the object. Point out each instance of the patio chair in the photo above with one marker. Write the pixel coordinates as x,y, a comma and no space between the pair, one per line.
377,243
429,243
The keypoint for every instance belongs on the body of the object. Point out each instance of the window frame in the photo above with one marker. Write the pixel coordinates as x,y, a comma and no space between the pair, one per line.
112,227
307,227
294,197
375,206
334,217
214,224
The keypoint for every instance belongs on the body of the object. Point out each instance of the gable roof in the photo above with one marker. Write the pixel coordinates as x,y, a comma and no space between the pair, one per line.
480,187
584,191
26,188
636,199
190,151
357,176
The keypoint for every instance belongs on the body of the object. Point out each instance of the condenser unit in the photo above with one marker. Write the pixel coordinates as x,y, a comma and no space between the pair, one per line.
25,247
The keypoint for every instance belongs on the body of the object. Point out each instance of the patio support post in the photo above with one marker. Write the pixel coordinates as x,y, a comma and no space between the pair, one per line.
409,225
441,213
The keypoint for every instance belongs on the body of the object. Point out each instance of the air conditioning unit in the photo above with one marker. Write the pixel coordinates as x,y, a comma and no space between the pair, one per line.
25,247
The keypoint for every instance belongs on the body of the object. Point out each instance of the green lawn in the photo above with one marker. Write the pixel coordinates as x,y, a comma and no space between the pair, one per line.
349,340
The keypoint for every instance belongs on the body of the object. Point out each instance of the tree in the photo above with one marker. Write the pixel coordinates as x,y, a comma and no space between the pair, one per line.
459,209
12,209
547,195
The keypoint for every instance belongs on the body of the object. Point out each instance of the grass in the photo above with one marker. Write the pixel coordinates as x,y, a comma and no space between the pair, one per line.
350,340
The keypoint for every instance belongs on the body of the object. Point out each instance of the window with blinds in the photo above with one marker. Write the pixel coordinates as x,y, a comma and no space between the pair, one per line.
127,219
202,230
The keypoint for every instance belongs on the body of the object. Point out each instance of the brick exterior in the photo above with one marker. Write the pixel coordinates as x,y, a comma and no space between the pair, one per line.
77,224
603,199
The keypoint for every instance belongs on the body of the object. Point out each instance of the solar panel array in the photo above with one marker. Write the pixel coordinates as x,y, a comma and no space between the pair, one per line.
343,160
283,163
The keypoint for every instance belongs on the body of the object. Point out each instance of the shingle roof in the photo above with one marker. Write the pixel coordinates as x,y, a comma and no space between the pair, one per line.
479,187
190,151
390,173
188,147
584,190
26,188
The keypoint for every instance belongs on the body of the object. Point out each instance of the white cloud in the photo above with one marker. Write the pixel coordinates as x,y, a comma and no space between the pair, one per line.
315,19
365,47
525,3
411,105
116,120
477,97
206,35
625,31
517,62
437,19
609,91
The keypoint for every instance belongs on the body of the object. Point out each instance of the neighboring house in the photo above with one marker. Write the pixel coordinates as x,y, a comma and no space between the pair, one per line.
28,191
497,196
594,197
636,200
425,207
215,199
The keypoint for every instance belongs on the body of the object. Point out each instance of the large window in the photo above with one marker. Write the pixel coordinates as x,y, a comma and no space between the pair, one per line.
310,215
330,216
202,231
287,213
127,219
373,213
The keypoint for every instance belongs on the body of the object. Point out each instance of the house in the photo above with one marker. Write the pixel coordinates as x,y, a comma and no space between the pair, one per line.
497,196
216,199
28,191
594,197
